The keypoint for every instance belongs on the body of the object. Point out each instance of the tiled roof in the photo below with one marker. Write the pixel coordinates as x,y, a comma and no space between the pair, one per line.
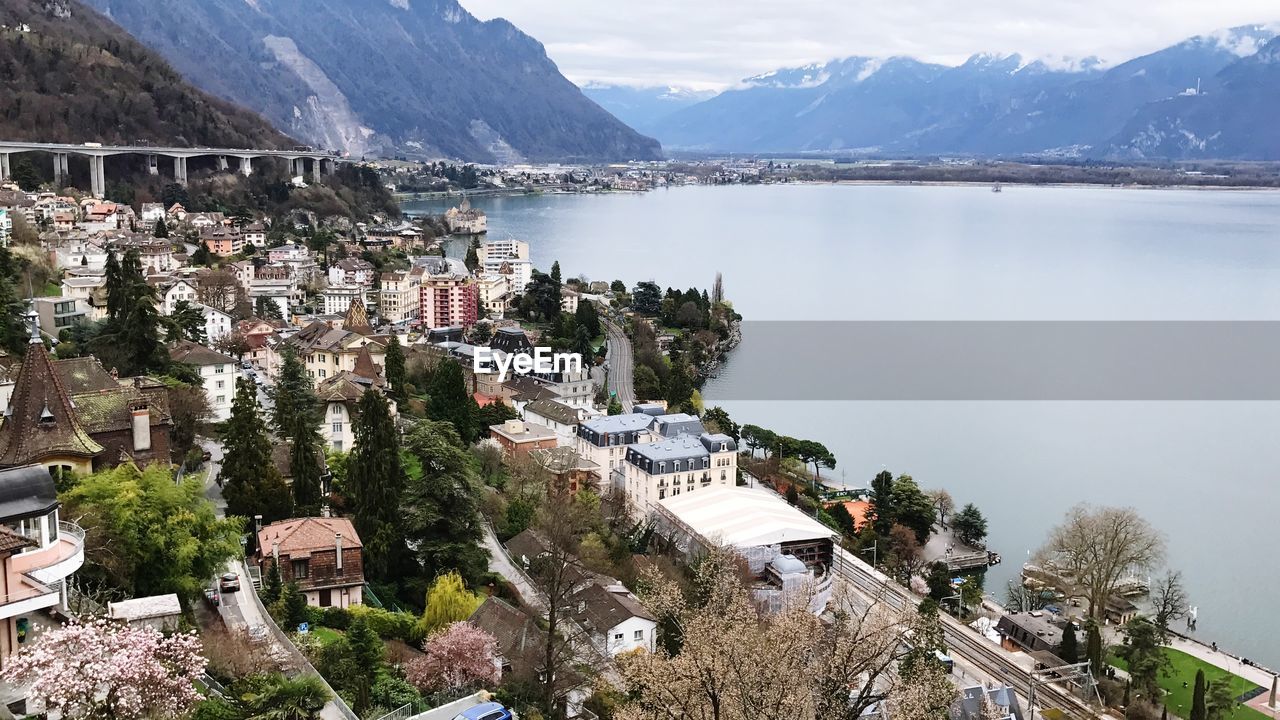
344,387
84,374
604,610
185,351
41,421
305,535
357,318
11,541
520,640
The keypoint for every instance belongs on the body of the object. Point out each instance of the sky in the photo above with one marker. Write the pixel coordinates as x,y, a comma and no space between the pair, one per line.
712,44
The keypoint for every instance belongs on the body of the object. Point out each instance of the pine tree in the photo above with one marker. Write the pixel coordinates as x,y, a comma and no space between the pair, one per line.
292,395
1198,709
115,287
250,481
271,587
161,229
473,255
555,273
394,365
375,482
291,607
448,400
369,655
1069,649
1093,647
588,317
306,466
14,333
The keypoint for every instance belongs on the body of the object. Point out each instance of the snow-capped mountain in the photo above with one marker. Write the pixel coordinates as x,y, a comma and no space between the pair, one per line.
1000,104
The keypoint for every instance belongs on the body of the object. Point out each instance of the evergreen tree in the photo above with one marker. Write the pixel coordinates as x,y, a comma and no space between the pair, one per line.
290,609
555,274
271,586
615,407
1093,647
375,482
250,481
293,395
1198,709
473,255
369,655
306,465
130,341
14,332
881,512
186,322
115,288
23,173
970,525
448,399
1069,648
394,365
161,229
441,507
588,317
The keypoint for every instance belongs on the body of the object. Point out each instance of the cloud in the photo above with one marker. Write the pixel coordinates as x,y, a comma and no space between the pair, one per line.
711,44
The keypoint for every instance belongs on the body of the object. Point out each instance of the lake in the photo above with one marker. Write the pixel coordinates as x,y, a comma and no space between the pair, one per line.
1203,472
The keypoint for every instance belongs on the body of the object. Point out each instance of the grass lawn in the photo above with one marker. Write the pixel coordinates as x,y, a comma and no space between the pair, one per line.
326,636
1182,668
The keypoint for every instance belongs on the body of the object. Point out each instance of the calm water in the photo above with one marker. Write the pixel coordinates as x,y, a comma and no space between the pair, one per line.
1203,473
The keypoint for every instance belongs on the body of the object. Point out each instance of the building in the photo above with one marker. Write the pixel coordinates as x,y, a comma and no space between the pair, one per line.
179,291
466,220
6,227
399,298
1000,701
569,470
341,394
255,234
91,291
788,554
222,240
604,440
60,313
560,418
216,323
152,213
160,612
518,437
521,642
217,373
38,551
352,271
323,556
338,298
613,619
507,258
495,295
1032,631
680,464
447,297
327,351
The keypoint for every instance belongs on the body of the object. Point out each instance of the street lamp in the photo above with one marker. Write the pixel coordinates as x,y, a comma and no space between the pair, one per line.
958,599
872,550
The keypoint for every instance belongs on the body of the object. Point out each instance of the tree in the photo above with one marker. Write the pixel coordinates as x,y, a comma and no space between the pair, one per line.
969,525
472,260
448,399
448,602
617,286
458,656
291,607
1199,711
1168,602
717,420
14,331
588,318
646,298
1093,646
942,500
250,481
271,585
103,670
1021,597
394,368
1220,700
145,535
186,322
276,697
1100,546
188,406
1069,648
233,343
130,340
615,407
218,289
441,510
645,382
375,482
1144,654
23,173
266,308
881,512
174,194
904,553
912,508
161,230
293,395
368,654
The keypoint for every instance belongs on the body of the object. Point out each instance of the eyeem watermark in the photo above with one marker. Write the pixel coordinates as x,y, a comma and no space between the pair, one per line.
543,360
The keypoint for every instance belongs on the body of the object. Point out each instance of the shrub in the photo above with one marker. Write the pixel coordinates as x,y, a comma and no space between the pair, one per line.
336,618
385,623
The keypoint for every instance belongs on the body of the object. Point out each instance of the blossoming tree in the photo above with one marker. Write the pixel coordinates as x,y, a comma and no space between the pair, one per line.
459,656
103,670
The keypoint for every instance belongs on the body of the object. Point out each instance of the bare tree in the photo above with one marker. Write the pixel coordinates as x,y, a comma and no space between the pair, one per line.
857,656
1169,602
905,557
943,501
1097,547
218,290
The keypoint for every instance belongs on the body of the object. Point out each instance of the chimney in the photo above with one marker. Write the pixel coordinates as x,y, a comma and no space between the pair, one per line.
141,427
337,544
275,552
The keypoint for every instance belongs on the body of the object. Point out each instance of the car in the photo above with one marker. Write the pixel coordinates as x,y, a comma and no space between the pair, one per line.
230,582
485,711
212,597
246,365
206,456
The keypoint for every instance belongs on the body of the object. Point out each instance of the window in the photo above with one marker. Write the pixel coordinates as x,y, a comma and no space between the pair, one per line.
337,428
222,384
301,569
220,369
220,399
337,410
322,374
617,637
638,635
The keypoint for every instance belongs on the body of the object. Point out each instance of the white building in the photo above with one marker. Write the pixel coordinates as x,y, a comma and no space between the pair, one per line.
399,297
509,259
180,291
217,374
614,619
337,298
216,323
562,419
685,463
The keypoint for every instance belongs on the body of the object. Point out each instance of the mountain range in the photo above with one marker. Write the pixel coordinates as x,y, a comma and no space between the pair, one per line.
416,78
1211,96
69,75
642,107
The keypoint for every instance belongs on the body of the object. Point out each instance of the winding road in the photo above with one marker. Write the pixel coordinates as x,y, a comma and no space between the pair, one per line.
620,364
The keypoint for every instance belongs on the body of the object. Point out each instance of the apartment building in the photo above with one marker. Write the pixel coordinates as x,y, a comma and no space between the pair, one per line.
400,299
447,297
675,465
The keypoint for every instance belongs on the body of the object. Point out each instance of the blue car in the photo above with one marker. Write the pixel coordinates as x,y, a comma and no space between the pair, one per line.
485,711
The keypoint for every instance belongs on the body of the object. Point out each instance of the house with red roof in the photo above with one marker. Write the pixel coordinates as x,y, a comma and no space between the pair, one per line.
323,555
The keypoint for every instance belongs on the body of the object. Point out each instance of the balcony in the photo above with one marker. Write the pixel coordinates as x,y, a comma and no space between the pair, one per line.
55,561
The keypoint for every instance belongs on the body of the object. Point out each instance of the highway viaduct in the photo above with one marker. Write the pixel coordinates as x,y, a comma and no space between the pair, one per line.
321,162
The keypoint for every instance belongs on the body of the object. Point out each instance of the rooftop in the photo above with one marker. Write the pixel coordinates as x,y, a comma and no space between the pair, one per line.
305,535
145,608
742,517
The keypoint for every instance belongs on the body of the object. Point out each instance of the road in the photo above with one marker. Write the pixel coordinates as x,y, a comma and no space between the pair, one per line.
620,365
962,641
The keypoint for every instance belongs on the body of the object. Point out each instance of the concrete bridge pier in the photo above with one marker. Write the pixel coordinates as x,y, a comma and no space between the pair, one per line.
246,166
5,171
295,167
317,169
60,171
153,164
97,176
222,163
180,170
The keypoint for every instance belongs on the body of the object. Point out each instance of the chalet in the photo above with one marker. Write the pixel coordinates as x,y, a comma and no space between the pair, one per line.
323,555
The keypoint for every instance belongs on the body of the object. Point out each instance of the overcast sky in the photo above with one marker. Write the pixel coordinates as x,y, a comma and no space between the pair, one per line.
710,44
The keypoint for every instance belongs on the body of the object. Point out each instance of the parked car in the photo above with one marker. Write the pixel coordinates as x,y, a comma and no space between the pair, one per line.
485,711
230,582
246,365
212,597
206,456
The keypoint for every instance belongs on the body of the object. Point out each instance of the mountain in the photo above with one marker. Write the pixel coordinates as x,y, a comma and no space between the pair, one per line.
995,105
641,107
422,78
67,74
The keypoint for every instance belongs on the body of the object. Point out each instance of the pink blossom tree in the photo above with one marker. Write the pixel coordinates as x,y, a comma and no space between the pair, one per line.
105,671
459,656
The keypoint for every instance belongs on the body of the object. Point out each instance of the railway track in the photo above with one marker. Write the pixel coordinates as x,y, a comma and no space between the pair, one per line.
962,641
